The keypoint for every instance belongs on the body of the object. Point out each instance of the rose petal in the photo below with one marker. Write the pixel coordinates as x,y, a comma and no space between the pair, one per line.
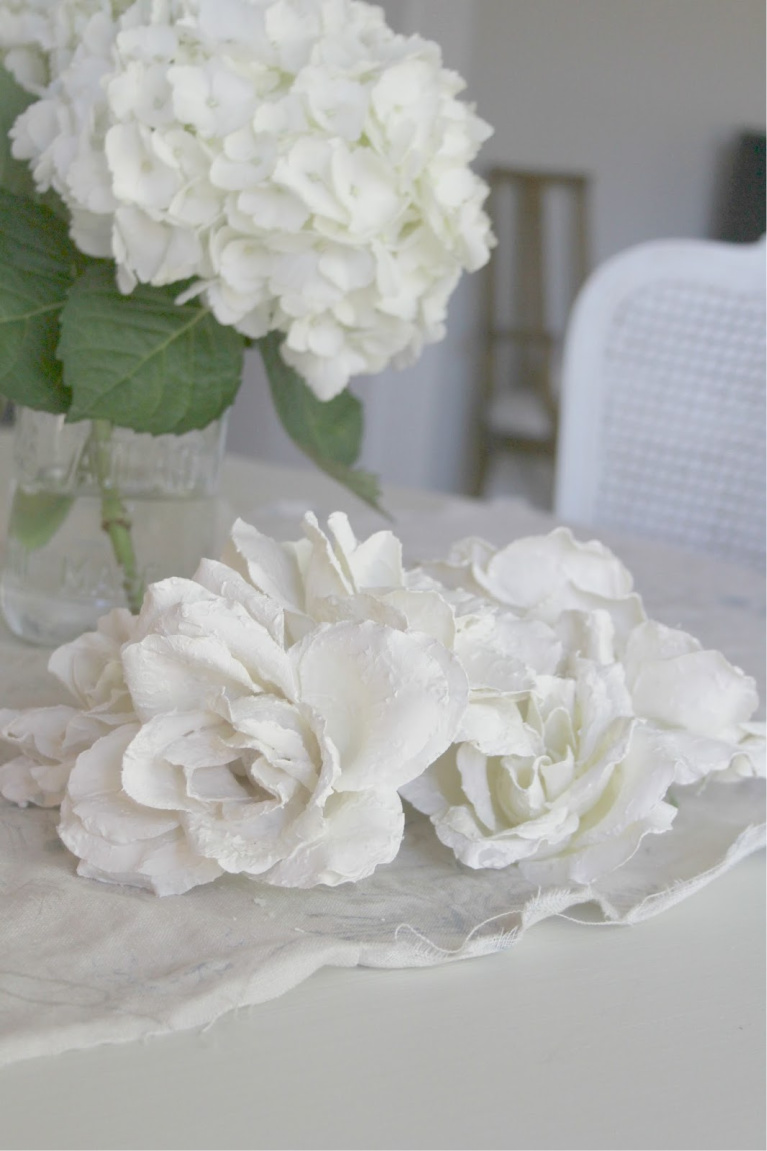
676,684
363,830
270,567
391,701
149,776
167,673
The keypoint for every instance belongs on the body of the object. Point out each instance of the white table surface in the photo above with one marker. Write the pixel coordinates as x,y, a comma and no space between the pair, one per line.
580,1037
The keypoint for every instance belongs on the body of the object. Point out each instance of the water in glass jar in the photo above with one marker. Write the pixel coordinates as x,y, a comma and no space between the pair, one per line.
54,589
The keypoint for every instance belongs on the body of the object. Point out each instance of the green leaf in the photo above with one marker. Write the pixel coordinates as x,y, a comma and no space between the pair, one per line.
37,266
37,516
141,361
15,175
328,432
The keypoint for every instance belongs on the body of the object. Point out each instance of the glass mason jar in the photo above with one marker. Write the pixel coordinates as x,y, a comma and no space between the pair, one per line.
96,513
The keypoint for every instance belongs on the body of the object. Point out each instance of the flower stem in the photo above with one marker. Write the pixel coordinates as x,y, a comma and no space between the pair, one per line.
115,520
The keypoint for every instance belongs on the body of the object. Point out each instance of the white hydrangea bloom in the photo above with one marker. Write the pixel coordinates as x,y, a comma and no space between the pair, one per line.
62,134
38,38
302,164
25,41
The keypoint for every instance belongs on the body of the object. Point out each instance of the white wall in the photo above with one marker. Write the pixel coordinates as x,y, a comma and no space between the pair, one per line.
643,95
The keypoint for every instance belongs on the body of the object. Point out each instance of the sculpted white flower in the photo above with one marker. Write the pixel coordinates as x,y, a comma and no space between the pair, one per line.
701,703
49,739
568,794
575,778
566,778
303,165
329,577
333,577
262,718
543,576
252,758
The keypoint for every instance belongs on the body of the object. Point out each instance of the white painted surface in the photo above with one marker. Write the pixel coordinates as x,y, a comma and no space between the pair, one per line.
646,1036
642,94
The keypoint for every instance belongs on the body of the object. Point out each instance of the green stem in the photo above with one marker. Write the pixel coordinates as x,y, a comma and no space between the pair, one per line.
115,520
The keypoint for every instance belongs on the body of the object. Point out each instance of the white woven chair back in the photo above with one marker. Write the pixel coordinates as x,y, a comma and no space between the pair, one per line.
663,398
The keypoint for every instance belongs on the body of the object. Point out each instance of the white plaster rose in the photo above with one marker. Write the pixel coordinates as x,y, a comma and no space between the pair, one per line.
565,780
303,165
330,576
250,757
49,739
261,718
302,575
567,794
699,700
541,577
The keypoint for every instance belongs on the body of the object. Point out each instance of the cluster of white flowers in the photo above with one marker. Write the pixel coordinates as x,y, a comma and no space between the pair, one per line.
38,38
266,717
304,166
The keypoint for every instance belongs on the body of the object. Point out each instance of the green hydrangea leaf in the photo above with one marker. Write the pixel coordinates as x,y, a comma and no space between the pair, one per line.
142,361
38,263
328,432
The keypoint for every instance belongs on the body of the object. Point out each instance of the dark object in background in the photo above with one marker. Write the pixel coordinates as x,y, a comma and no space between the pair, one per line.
742,215
6,411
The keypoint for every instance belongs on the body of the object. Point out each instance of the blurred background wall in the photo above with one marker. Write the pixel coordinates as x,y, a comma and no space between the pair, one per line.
647,97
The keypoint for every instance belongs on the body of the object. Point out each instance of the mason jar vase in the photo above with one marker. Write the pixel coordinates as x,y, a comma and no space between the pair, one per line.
96,513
